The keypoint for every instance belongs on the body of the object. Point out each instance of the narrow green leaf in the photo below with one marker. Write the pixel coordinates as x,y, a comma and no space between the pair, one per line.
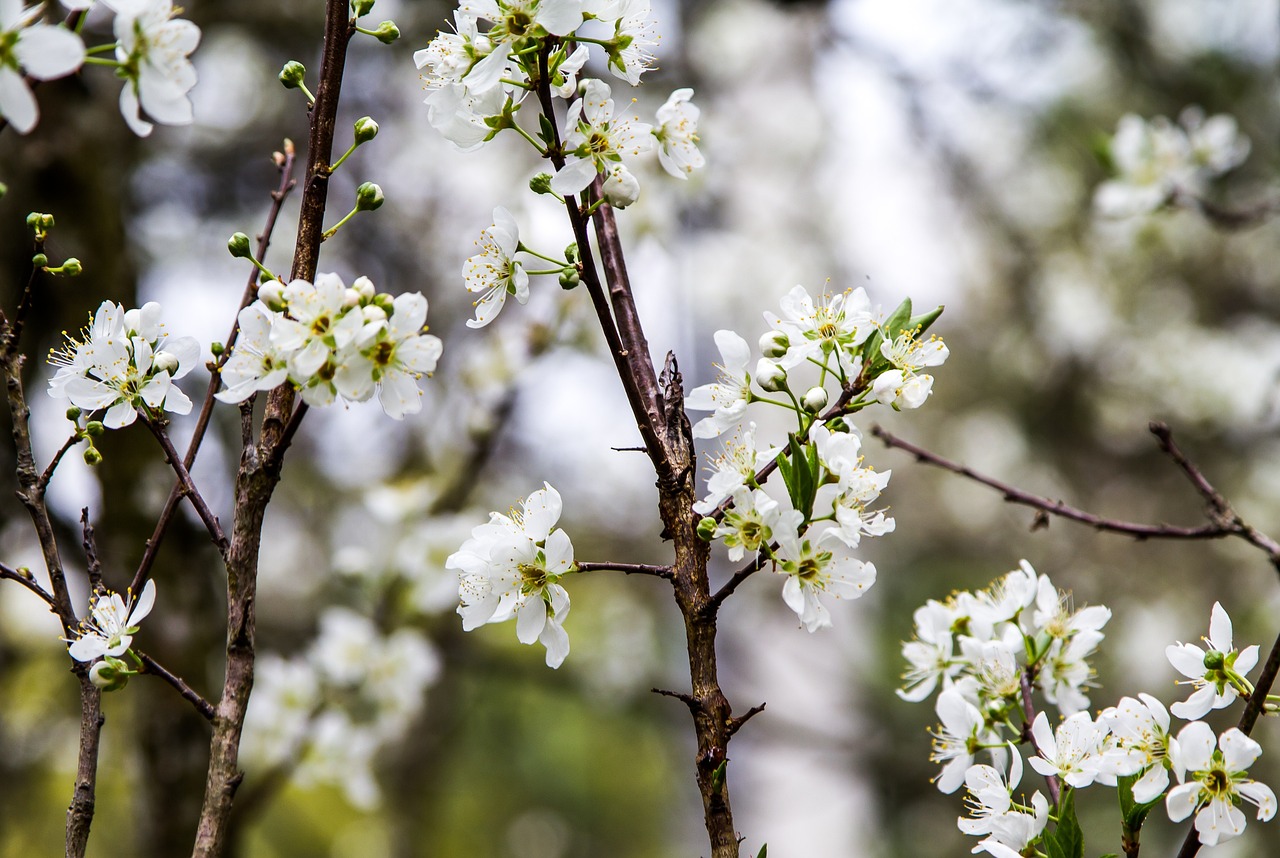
1067,840
898,319
924,320
764,851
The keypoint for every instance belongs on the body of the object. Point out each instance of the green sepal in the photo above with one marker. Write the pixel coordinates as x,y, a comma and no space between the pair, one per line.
1067,840
546,130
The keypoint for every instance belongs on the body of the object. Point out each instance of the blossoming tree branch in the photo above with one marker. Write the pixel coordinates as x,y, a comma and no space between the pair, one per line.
791,508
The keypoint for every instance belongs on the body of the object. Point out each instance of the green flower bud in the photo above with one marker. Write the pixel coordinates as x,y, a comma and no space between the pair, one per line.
239,247
4,189
109,674
385,301
365,287
541,183
571,253
73,414
837,424
95,429
39,260
46,222
368,197
774,344
569,279
707,529
361,7
366,129
293,74
814,400
92,456
387,32
165,362
70,268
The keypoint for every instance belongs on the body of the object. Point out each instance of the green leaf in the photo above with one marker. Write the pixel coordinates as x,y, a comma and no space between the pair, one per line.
804,476
1067,840
898,320
545,129
764,851
924,320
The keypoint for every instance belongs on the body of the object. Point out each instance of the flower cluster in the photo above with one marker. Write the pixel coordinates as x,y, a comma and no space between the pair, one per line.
1158,161
125,361
331,340
477,78
152,50
512,566
989,651
835,341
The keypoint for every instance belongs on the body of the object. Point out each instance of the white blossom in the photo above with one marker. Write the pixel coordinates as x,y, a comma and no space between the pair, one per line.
29,49
729,396
1213,781
494,272
677,135
112,622
596,138
153,51
1213,688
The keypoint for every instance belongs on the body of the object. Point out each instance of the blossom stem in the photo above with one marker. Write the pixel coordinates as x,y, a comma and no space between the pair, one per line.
329,233
338,163
100,61
523,248
533,141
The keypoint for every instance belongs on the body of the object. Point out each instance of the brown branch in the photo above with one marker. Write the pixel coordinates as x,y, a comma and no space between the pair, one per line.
93,566
629,568
83,801
24,578
1029,712
259,470
189,694
735,724
733,583
215,379
1052,507
43,482
188,487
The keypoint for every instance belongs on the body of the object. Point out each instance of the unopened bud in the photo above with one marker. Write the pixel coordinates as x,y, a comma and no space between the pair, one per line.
70,268
278,159
707,529
621,188
814,400
366,129
271,293
293,74
33,220
770,376
350,298
387,32
165,362
46,222
361,7
541,183
92,456
239,247
216,348
368,197
109,675
373,313
39,260
4,189
569,279
73,413
95,429
385,301
364,286
774,344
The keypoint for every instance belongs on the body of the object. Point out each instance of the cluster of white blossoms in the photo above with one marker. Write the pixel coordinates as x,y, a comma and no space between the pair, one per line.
331,340
989,651
1157,161
477,79
835,341
152,50
327,711
125,361
512,566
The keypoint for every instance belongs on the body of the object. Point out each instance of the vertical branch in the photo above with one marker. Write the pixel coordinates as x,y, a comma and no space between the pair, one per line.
31,488
260,467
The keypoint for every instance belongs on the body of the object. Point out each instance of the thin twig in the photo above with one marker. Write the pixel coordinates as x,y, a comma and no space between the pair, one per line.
1052,507
189,488
43,482
278,196
629,568
732,584
153,667
26,580
735,724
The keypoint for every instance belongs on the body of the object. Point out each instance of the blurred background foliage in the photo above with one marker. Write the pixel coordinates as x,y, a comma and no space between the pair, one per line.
942,149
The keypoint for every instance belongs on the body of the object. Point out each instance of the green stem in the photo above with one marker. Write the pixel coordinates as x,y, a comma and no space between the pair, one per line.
338,163
328,233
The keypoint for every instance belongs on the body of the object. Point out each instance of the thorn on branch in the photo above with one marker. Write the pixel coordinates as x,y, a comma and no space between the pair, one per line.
686,699
735,724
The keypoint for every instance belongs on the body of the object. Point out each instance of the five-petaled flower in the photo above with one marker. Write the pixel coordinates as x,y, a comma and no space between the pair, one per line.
112,622
1213,782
